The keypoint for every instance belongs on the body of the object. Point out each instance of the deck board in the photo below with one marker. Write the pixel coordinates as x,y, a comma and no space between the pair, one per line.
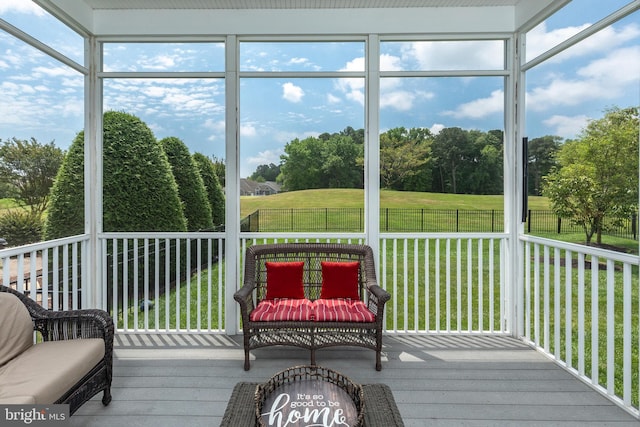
177,380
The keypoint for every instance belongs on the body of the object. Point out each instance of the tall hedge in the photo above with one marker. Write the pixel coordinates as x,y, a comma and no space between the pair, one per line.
212,186
65,215
139,191
190,185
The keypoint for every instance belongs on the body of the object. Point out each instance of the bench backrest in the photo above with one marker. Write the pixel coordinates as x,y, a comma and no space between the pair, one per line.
312,254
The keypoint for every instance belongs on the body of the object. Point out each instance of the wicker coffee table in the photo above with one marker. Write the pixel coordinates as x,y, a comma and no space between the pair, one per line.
380,406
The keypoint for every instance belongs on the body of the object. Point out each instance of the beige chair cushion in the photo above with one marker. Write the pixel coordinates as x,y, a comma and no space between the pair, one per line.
17,400
47,370
16,332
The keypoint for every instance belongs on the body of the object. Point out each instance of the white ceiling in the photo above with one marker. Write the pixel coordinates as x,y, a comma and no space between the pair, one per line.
290,4
143,18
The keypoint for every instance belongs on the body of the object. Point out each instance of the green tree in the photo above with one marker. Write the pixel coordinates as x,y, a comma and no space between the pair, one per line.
597,177
542,159
29,169
220,169
139,190
341,163
268,172
302,164
450,150
215,194
483,171
197,209
403,155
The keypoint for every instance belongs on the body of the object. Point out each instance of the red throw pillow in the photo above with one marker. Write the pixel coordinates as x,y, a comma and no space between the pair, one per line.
284,279
340,280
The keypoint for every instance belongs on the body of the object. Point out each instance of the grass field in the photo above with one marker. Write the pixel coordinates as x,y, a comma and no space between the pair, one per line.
353,198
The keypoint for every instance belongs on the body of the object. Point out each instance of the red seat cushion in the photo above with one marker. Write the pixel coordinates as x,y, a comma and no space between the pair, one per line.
284,279
340,280
342,310
282,310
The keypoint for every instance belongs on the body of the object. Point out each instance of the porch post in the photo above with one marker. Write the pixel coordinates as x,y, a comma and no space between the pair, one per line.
93,289
232,186
372,145
513,180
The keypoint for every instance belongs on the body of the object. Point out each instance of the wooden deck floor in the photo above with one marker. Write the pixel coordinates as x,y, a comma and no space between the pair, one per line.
175,380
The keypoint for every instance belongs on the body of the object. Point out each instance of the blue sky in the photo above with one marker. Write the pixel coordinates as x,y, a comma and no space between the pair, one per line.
41,98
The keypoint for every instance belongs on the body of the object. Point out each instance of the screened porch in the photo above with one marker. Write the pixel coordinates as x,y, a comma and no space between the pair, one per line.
483,328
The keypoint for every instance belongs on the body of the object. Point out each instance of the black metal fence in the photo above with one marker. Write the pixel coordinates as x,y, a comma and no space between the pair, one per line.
540,221
416,220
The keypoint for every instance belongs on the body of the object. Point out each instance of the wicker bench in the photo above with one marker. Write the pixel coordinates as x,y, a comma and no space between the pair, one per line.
310,332
73,363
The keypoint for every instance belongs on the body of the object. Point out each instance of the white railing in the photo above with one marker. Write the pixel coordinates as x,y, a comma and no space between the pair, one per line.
439,282
49,272
164,282
581,308
173,282
445,282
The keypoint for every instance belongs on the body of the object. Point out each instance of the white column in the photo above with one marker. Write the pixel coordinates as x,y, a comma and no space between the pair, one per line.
513,181
372,145
232,184
93,289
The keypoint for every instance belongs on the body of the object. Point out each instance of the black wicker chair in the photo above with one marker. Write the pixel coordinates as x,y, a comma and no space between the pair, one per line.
76,324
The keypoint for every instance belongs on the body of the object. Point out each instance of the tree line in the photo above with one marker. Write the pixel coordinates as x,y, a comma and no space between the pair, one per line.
588,179
454,160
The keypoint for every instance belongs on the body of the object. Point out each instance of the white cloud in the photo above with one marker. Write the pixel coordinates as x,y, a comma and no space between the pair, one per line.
356,64
292,93
265,157
479,108
298,61
436,128
621,67
357,96
458,55
332,99
172,97
565,126
539,40
217,129
389,63
159,63
603,79
55,72
20,6
398,100
217,125
248,130
352,88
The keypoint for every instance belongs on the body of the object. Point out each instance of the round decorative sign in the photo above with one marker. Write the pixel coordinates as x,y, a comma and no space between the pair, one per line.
309,403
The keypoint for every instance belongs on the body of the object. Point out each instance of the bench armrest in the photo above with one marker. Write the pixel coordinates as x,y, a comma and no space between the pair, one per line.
74,324
244,297
377,298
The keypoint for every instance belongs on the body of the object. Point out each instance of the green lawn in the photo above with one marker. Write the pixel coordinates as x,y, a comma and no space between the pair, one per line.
353,198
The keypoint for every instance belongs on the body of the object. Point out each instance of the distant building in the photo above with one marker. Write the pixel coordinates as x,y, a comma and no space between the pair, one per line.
254,188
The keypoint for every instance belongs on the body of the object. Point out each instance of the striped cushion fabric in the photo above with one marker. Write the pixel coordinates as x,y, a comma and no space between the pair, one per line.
342,310
282,310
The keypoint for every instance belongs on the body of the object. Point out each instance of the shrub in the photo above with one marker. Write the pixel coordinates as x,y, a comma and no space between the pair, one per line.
65,215
20,227
212,186
139,191
191,188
